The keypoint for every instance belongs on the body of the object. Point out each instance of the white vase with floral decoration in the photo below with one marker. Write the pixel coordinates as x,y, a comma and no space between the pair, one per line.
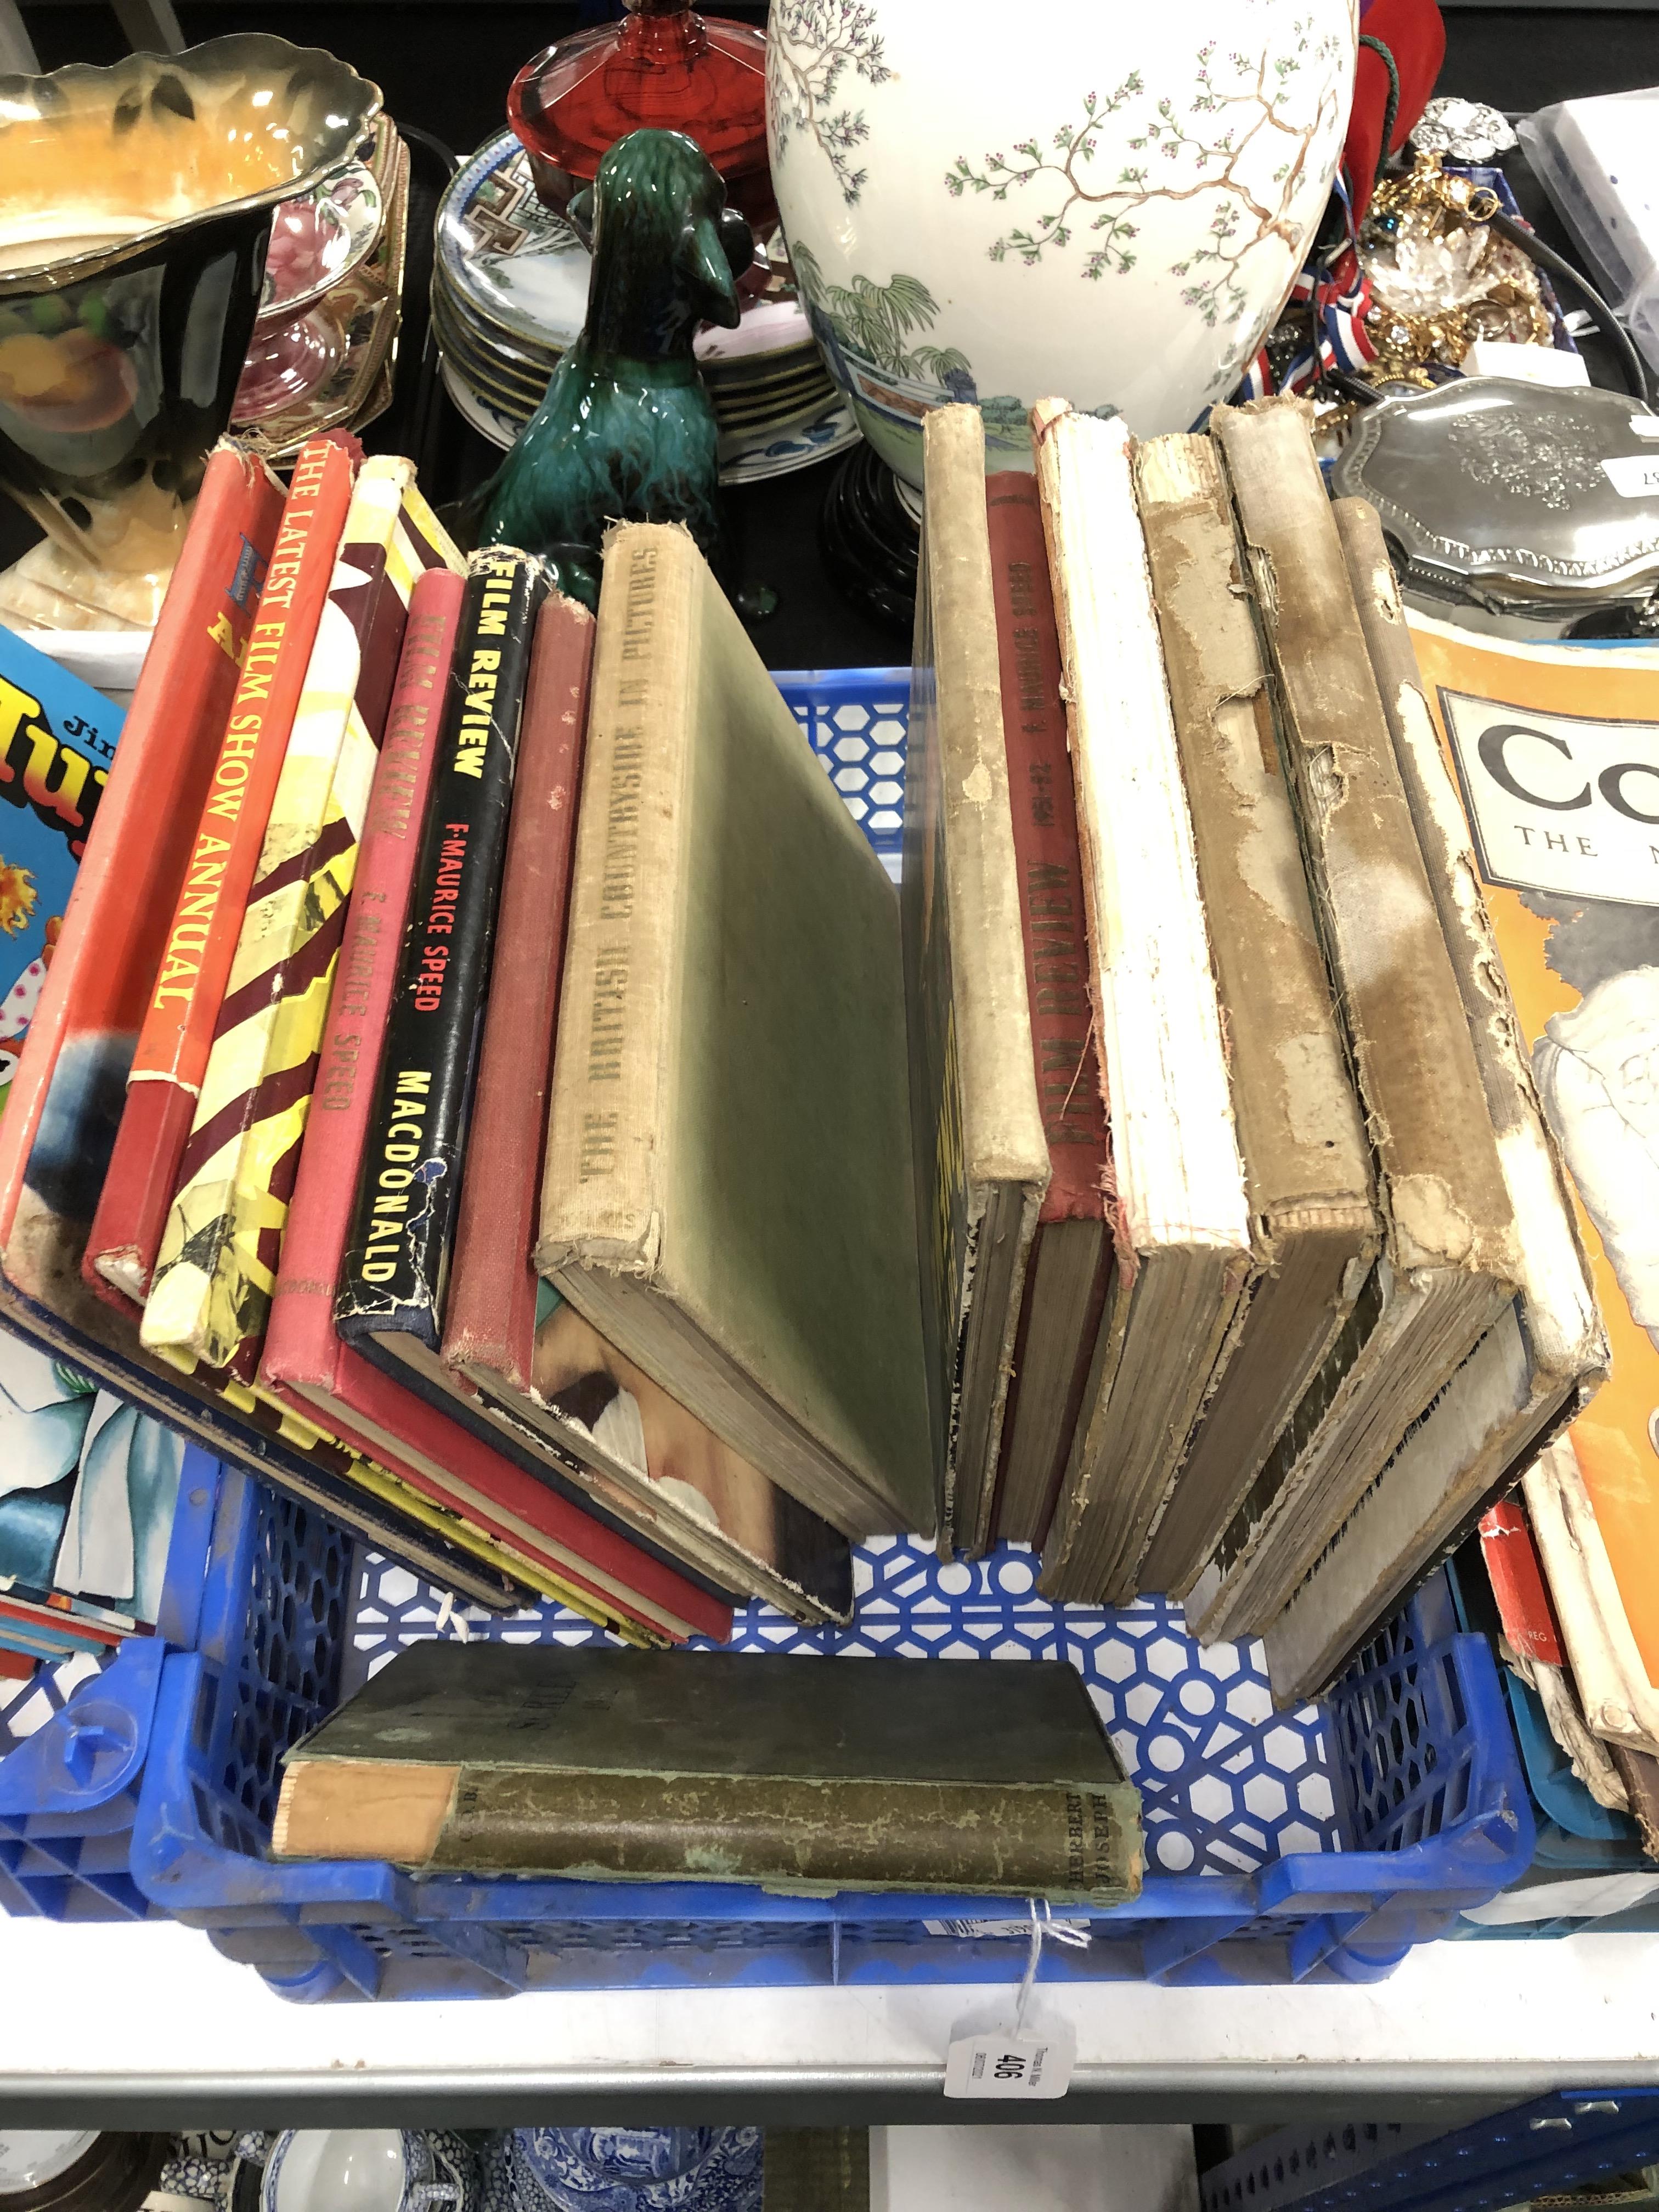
1105,202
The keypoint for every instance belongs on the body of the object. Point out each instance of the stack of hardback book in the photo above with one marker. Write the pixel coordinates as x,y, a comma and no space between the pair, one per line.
470,1081
485,1077
1251,1272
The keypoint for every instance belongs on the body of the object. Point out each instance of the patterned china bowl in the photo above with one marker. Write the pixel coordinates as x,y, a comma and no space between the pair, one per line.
635,2169
365,2170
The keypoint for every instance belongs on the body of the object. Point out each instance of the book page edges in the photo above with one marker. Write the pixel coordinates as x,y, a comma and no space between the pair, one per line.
362,1809
664,1329
988,1206
1393,1535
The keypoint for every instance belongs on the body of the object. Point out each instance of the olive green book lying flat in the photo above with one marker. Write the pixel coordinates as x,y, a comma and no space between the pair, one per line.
721,1766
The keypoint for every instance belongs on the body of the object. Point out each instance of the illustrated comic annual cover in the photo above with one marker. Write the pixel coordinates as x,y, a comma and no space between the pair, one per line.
1556,752
57,740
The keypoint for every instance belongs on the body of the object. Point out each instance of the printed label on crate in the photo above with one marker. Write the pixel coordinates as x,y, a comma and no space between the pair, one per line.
977,1928
1027,2068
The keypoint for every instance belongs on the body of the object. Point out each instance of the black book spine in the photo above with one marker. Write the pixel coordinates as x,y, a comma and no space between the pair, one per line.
404,1223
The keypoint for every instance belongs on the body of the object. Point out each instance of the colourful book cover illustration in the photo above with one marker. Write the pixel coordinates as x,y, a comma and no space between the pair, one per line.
1556,753
88,1489
210,1298
57,738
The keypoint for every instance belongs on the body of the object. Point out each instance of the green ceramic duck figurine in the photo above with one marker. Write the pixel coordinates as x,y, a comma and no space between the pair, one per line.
627,431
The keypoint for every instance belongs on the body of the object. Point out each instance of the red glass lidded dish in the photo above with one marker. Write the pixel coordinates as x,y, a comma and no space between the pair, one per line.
664,68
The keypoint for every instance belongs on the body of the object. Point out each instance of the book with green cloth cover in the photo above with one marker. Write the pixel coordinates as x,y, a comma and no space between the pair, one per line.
728,1197
724,1766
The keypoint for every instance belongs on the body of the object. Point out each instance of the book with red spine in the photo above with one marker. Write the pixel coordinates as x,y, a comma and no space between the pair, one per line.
109,952
1071,1255
1516,1575
173,1043
490,1314
305,1365
302,1305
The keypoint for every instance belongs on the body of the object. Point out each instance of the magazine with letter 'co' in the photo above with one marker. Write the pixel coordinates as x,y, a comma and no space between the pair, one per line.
1555,749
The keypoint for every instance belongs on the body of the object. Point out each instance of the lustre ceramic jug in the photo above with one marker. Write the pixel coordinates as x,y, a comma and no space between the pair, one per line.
1102,201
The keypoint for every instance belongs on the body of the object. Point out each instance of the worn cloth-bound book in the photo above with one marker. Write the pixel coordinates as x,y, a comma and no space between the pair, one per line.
1071,1265
107,958
555,1389
1549,1348
1307,1166
500,1758
492,1305
728,1198
1554,748
1181,1210
1450,1263
304,1365
170,1058
390,1302
210,1295
977,1129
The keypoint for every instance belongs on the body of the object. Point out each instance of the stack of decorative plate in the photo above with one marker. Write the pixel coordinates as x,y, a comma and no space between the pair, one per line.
509,292
325,342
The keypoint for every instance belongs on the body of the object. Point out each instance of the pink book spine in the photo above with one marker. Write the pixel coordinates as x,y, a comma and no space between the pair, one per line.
300,1346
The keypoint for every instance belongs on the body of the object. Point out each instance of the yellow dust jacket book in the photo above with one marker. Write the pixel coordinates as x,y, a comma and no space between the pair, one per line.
1556,752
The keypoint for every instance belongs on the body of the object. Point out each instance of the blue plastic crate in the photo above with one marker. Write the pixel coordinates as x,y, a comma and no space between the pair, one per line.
855,721
69,1792
1323,1842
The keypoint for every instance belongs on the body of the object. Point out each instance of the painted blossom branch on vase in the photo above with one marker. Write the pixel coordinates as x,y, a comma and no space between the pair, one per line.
812,43
1223,145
